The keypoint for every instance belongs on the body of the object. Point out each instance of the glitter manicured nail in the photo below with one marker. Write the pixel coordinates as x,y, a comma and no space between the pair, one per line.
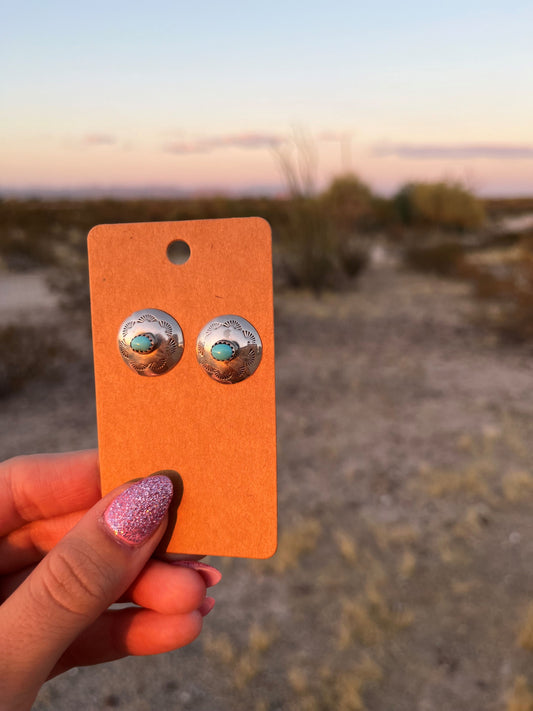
136,513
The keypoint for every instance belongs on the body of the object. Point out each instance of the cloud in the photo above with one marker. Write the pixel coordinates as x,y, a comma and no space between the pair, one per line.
335,136
497,151
208,144
99,139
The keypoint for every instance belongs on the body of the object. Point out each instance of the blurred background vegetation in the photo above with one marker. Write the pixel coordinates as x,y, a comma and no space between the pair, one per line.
323,241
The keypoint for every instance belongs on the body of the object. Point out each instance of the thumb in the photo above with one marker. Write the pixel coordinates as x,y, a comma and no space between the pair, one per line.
81,576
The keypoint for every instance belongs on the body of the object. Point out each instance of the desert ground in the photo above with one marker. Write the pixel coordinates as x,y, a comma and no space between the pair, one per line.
404,575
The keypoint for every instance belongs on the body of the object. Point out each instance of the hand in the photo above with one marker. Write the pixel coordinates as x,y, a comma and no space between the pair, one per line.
66,555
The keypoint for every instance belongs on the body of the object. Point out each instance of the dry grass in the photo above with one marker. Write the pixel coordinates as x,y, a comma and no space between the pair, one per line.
472,521
399,534
343,691
347,546
521,696
219,646
261,638
295,542
244,663
470,481
485,479
517,485
407,564
298,679
525,636
368,619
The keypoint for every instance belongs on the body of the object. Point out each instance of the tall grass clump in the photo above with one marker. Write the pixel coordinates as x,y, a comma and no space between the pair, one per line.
317,249
305,238
308,246
443,205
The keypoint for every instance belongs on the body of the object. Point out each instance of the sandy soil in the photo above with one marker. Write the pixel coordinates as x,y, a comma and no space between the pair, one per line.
404,571
24,293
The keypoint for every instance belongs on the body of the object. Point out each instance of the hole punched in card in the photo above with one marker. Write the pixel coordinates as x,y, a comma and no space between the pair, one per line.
183,338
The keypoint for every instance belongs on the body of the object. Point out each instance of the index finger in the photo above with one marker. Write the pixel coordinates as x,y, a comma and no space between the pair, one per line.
41,486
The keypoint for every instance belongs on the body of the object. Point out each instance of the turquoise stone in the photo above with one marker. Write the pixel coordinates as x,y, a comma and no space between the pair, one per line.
221,351
141,344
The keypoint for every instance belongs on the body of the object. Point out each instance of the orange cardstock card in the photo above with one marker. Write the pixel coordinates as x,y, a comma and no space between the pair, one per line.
218,435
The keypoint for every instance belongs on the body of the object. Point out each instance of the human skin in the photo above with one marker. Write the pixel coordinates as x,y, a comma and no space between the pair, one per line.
64,560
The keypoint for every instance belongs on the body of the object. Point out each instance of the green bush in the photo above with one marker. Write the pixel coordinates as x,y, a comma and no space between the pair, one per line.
444,205
348,203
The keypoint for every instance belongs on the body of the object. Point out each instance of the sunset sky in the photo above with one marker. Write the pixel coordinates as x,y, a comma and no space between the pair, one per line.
197,96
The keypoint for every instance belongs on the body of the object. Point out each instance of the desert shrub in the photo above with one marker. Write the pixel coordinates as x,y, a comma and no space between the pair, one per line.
497,208
32,232
315,249
71,282
443,259
28,352
349,210
35,232
70,278
311,253
21,250
308,246
445,205
348,203
353,257
526,240
507,288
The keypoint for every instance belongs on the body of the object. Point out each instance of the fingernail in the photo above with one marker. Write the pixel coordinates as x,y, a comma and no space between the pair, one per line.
206,606
137,512
211,575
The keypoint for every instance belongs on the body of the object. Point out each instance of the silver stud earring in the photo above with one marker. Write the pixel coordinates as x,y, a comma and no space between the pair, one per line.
229,349
150,342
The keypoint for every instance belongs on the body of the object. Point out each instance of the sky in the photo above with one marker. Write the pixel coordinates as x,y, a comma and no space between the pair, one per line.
202,97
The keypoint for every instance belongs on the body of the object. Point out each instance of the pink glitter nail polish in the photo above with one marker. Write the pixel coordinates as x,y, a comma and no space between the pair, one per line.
136,513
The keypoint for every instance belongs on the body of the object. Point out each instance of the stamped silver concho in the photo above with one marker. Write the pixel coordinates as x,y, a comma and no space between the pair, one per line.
150,342
229,349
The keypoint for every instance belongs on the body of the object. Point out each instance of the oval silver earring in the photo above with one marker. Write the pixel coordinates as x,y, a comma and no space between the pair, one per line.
150,342
229,349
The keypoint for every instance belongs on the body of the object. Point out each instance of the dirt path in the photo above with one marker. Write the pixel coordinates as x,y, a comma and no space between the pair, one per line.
404,570
24,293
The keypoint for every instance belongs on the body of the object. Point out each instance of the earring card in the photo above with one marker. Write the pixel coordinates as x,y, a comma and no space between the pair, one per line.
219,437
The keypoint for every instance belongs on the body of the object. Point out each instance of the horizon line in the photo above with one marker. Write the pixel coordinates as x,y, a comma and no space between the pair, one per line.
170,191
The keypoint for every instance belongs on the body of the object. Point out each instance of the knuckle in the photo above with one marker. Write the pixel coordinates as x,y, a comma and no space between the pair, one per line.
74,580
